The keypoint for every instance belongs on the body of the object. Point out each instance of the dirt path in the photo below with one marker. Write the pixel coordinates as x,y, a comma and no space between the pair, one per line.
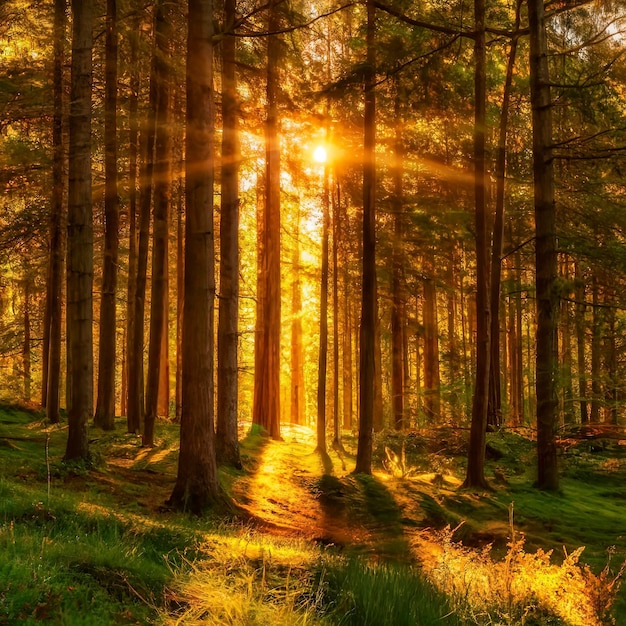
284,491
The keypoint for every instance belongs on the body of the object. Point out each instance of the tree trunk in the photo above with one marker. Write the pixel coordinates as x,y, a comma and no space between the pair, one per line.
398,298
80,235
266,411
336,406
105,406
133,139
197,485
596,350
180,299
26,352
431,391
494,408
348,401
475,477
545,249
162,198
298,397
323,346
566,353
368,297
227,443
580,343
54,300
136,348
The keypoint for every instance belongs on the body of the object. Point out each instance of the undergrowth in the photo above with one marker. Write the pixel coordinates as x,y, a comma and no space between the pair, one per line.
88,544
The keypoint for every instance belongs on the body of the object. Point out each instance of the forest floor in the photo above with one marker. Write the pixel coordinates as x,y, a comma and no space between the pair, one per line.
410,511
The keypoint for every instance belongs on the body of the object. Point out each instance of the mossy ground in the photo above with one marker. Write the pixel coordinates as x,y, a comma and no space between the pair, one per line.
93,544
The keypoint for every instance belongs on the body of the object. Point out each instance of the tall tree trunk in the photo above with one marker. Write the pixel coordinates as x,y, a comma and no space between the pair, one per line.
545,249
432,383
610,367
475,477
133,140
266,411
105,406
566,352
596,350
26,352
80,235
368,287
398,297
197,485
323,346
580,343
54,295
162,196
336,406
227,443
348,400
136,348
298,398
494,408
180,299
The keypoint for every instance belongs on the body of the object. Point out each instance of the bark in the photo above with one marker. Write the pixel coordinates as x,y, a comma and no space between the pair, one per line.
596,350
431,391
580,343
227,443
51,357
494,408
266,410
26,351
80,235
162,198
136,348
566,353
298,398
180,299
545,249
398,298
197,485
323,346
348,400
336,406
133,139
105,406
368,288
475,477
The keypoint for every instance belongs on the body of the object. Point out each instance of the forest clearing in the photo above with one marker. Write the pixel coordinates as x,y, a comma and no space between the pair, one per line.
307,544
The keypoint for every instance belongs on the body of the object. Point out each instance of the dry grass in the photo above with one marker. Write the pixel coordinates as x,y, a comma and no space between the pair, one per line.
522,588
245,581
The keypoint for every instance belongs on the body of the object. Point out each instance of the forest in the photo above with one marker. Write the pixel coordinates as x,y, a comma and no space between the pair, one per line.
312,312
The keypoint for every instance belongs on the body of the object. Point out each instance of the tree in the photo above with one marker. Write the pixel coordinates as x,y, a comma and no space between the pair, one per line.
475,477
105,406
52,330
136,405
227,444
162,196
323,346
197,485
368,295
80,235
545,249
266,410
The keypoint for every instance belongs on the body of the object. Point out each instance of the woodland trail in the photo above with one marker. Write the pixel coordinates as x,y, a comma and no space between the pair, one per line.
283,492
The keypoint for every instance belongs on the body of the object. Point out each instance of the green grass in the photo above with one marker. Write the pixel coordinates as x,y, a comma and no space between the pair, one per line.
361,594
89,544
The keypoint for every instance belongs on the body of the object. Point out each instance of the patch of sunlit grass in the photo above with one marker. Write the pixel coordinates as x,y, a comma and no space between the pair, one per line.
521,587
247,579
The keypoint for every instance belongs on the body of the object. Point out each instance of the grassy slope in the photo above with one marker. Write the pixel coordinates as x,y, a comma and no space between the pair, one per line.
93,545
